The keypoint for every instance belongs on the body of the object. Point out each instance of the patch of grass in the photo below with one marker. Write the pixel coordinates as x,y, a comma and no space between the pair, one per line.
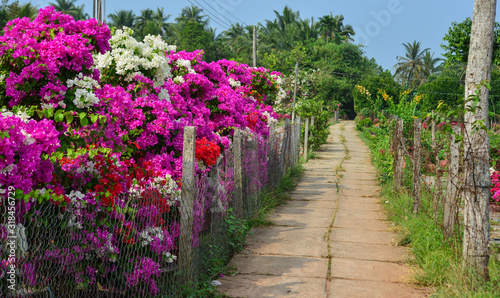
311,155
437,261
276,197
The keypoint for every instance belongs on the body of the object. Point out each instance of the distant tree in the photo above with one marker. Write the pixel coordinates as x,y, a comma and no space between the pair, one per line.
122,18
446,86
457,42
79,13
432,65
160,20
192,13
26,10
194,37
411,69
66,6
333,28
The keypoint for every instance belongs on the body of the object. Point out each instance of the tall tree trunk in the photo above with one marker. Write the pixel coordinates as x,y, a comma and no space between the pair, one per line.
476,140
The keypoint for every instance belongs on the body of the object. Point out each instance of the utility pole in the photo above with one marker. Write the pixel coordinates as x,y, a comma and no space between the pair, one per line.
98,10
254,52
476,140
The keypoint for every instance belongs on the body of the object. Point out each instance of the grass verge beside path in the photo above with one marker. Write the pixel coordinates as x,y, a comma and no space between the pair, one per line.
237,230
436,261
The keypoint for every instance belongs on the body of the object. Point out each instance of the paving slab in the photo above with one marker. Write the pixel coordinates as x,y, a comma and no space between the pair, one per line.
370,237
272,286
346,288
302,217
281,265
287,241
369,270
363,224
368,251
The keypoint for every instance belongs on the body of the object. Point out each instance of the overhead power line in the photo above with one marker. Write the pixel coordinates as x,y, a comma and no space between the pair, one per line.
214,17
231,22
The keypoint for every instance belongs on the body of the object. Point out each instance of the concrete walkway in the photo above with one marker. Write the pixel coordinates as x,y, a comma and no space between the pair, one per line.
330,239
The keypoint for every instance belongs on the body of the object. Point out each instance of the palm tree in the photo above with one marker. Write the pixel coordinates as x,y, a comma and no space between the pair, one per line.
66,6
282,32
192,13
307,29
26,10
122,18
160,20
327,26
144,24
432,64
411,68
79,14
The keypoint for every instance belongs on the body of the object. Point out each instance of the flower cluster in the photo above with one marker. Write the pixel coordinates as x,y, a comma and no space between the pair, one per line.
37,56
495,186
23,146
98,151
129,58
207,151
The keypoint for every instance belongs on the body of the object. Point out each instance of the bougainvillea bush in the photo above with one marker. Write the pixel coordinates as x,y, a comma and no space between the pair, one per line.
91,139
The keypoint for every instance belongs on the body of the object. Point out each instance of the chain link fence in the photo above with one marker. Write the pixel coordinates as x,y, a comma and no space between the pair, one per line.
158,242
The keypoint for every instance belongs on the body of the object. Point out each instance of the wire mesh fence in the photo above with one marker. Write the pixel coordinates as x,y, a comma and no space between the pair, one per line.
430,159
156,241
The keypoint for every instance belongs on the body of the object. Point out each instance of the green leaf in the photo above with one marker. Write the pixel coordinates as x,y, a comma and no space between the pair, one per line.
59,117
69,117
94,118
49,113
84,121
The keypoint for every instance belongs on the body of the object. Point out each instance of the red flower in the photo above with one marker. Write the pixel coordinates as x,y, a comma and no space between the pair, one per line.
207,151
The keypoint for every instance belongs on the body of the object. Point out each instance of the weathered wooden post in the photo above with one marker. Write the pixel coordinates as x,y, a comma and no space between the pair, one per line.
238,174
398,168
297,140
271,154
286,145
336,116
417,136
311,127
437,185
188,192
305,139
453,185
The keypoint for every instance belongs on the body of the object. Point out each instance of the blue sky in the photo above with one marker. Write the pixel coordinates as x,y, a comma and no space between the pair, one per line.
381,25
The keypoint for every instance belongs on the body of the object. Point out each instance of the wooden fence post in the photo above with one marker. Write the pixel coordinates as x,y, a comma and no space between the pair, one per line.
305,140
271,154
238,174
187,201
437,185
297,140
452,187
417,136
398,168
286,145
337,116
